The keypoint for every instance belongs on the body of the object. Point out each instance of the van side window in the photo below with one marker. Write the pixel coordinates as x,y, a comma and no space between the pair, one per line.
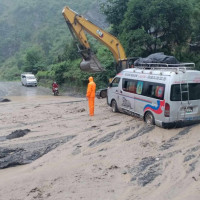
194,92
129,85
154,90
115,82
149,89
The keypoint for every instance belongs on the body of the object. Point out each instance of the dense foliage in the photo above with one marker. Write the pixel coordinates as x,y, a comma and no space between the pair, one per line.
162,25
34,36
149,26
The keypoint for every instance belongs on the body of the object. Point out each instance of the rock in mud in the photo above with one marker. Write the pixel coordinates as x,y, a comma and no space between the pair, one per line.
4,100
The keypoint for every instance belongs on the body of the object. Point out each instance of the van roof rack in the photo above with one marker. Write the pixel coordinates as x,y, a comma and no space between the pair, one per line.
168,67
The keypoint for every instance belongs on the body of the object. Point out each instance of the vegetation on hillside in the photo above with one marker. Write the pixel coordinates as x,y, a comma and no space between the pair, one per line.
150,26
34,36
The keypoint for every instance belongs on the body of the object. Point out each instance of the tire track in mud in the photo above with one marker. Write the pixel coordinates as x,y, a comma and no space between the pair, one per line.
192,158
171,142
144,130
149,168
116,134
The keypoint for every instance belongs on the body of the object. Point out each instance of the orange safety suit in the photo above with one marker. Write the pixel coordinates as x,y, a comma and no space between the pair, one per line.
91,95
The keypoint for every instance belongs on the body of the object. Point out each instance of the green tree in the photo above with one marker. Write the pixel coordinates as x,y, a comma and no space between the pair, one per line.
196,25
70,52
59,71
163,25
114,11
35,60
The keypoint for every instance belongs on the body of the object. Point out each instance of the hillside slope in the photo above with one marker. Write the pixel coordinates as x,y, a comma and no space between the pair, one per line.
39,25
109,156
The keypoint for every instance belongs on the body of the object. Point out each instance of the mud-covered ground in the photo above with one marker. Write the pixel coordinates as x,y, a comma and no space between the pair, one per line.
51,149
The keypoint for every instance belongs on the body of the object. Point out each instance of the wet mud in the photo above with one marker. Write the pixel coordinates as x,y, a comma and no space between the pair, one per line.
17,134
144,130
20,154
171,142
16,89
110,153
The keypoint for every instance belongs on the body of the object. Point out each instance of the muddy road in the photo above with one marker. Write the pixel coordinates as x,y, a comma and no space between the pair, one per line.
16,89
14,94
51,149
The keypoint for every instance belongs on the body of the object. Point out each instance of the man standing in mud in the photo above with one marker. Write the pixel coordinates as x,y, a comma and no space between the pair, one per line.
91,89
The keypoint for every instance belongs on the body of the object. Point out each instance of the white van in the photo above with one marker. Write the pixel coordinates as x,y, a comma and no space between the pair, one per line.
28,79
166,96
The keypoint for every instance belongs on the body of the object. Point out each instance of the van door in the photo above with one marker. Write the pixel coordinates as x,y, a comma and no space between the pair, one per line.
126,94
180,95
113,91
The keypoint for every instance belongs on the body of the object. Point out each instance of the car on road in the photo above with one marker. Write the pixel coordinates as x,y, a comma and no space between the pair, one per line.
28,79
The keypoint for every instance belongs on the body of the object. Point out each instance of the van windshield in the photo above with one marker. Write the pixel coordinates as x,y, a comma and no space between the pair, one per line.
115,82
193,88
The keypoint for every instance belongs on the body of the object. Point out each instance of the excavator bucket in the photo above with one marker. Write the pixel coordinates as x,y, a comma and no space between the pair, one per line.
91,65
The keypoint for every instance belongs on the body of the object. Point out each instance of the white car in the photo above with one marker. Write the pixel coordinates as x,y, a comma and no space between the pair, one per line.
28,79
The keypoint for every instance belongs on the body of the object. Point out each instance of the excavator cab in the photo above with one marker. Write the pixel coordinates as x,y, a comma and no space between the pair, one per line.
126,63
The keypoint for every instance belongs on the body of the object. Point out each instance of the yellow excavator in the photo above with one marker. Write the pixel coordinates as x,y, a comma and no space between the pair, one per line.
78,25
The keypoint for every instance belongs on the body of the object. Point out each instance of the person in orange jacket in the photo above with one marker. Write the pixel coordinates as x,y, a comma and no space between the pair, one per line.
91,89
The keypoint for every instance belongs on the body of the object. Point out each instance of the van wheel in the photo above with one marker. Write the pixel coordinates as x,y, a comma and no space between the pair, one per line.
149,118
114,106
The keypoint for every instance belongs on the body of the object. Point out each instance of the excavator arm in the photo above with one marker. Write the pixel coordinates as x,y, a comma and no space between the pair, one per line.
78,25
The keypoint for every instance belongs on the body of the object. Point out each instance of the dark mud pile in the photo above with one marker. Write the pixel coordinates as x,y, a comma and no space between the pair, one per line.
4,100
20,154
